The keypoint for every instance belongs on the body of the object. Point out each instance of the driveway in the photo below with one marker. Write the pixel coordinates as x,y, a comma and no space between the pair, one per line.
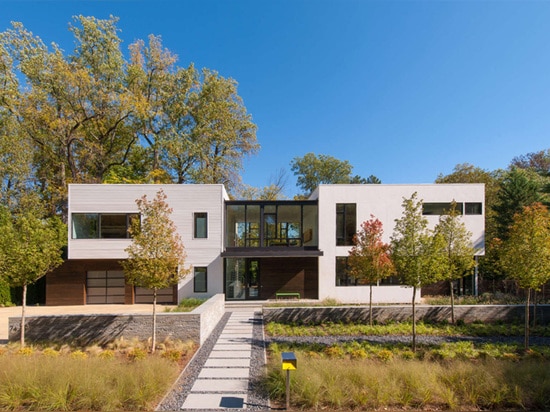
15,311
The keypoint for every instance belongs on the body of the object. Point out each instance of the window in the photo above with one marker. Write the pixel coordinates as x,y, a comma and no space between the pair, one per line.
473,208
439,208
200,280
201,225
342,276
102,225
346,224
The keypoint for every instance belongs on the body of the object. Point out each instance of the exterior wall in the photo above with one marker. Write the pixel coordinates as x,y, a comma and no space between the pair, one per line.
89,329
185,200
357,314
385,203
289,275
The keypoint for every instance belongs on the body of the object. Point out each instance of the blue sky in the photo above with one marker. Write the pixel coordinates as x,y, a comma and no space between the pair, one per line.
403,90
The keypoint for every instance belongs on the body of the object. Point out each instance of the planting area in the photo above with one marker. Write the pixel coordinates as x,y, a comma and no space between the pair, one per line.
119,377
466,367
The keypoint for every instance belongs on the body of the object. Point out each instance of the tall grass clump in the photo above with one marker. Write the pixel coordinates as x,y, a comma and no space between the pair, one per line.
187,305
96,383
323,382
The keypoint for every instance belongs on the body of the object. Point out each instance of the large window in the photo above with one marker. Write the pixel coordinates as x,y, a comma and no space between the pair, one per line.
201,225
346,223
200,280
102,225
271,224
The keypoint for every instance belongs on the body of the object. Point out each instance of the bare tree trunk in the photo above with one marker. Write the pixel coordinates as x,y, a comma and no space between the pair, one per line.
23,310
526,340
370,305
414,320
154,340
452,302
535,302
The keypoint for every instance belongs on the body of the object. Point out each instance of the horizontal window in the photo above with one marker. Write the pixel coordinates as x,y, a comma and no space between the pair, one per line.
102,225
439,208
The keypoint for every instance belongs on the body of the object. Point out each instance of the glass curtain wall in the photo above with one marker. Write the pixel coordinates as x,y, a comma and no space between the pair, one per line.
271,225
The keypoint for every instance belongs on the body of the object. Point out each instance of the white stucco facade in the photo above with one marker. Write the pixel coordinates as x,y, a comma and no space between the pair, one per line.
381,201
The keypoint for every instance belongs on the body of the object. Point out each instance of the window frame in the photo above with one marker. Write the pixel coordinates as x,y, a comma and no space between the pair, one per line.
195,277
343,225
196,217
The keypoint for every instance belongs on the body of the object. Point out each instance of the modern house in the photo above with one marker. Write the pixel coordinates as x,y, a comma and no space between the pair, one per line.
245,249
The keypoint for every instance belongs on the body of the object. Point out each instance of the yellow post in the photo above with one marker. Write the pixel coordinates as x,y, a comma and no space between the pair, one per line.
289,363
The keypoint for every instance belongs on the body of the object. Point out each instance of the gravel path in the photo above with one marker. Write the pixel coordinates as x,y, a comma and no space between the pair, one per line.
257,399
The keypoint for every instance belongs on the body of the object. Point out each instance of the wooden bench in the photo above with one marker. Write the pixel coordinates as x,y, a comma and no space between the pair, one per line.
287,295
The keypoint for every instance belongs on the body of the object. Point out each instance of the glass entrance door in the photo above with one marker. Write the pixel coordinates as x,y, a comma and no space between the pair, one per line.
242,279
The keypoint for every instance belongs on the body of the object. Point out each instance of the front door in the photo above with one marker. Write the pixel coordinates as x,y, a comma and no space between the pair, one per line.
242,279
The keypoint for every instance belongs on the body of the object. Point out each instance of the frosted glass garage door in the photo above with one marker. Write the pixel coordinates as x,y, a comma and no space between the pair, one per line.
104,286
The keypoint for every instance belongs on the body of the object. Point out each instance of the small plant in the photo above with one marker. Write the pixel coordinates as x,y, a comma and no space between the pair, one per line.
136,354
107,354
172,355
26,351
50,352
78,354
385,355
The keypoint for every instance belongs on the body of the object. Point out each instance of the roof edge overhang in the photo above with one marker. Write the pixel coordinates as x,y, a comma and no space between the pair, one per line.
270,253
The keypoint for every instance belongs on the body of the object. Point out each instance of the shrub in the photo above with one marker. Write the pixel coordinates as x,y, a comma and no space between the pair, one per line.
136,354
173,355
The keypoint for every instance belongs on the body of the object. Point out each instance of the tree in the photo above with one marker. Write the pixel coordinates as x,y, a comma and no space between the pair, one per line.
313,170
519,188
156,255
416,252
458,251
31,247
369,258
526,252
92,115
273,191
536,161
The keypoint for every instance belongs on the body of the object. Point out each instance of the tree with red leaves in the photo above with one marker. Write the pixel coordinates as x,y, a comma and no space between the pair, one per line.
369,259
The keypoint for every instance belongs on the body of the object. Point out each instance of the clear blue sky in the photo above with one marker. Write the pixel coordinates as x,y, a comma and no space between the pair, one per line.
403,90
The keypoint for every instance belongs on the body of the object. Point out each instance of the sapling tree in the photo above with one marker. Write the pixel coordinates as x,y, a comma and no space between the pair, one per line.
31,247
156,255
458,254
369,258
525,254
416,252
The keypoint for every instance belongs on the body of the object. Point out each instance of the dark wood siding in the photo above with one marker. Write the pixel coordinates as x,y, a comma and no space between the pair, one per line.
289,275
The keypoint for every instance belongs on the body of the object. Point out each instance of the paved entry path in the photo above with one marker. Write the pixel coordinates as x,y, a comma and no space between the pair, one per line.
223,382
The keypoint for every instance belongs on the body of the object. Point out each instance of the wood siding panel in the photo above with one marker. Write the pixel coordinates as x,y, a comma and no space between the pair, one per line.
289,275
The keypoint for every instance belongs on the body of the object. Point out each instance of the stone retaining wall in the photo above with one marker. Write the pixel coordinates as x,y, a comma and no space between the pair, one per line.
102,328
382,314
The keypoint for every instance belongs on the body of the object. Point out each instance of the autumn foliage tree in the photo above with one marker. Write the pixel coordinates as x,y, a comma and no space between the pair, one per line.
458,251
369,258
156,255
416,252
525,254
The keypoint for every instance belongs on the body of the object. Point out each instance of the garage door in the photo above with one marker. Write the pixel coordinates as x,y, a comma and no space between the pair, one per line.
104,286
146,295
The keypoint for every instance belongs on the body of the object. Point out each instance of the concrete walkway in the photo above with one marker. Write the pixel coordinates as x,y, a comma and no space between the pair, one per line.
224,378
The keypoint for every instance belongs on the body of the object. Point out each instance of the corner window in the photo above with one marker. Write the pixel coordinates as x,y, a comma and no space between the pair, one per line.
346,223
102,225
473,209
200,284
201,225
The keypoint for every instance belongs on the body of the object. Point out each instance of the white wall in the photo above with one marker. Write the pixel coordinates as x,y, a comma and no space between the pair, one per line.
385,203
184,200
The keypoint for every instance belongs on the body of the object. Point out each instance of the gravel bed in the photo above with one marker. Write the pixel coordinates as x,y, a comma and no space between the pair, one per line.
257,398
406,339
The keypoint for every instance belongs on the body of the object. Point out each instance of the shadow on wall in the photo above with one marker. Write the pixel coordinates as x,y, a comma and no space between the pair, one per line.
384,314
